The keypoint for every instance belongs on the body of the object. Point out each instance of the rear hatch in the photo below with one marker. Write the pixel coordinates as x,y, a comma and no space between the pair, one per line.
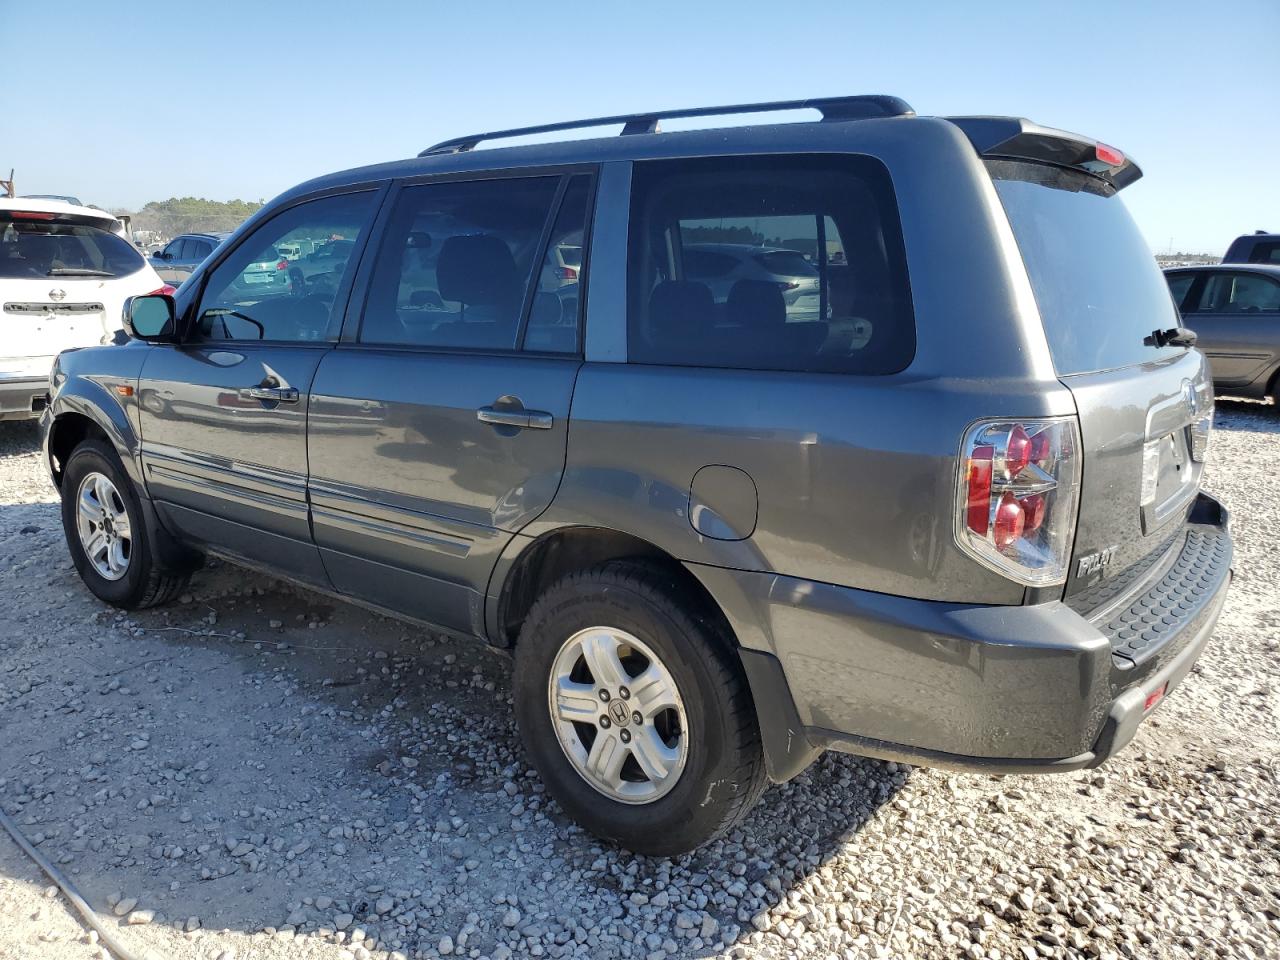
1145,404
63,281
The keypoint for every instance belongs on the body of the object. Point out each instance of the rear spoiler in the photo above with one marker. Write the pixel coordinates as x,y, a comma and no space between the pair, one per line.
1013,138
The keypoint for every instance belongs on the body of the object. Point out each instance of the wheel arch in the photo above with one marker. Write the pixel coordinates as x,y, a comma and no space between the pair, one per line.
530,565
84,408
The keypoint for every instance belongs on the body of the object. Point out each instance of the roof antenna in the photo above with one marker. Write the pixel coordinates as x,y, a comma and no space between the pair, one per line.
9,190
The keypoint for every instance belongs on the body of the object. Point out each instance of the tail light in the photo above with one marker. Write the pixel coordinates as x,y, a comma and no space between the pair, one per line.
567,273
788,285
167,290
1018,490
283,264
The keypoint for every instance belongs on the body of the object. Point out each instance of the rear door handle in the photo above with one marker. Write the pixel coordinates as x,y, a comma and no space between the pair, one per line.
533,419
279,394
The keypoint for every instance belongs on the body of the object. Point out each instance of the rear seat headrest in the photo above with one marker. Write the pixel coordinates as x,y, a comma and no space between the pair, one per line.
757,304
680,307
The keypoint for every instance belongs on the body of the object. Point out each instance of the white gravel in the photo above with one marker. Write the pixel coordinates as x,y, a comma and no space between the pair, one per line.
257,772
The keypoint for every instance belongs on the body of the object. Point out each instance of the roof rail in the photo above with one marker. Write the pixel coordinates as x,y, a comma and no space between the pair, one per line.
831,108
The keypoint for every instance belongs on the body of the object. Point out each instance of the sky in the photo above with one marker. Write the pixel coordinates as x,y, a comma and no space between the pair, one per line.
128,102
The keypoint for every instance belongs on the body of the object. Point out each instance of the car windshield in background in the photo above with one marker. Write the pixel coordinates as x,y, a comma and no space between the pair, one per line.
43,248
1096,283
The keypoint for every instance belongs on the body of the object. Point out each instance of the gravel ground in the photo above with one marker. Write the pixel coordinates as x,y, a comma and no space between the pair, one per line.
258,772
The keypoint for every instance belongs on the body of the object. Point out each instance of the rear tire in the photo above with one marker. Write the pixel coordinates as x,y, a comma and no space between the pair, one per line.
111,543
691,762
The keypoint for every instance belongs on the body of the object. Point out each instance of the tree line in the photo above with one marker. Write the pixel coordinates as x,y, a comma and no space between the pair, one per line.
192,215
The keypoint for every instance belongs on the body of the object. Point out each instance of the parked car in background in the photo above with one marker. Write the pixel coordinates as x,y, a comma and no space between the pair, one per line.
1235,311
65,273
1260,247
184,253
721,265
74,201
720,539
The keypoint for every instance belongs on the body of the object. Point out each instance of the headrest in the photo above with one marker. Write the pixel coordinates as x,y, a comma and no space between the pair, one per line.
680,307
477,269
757,304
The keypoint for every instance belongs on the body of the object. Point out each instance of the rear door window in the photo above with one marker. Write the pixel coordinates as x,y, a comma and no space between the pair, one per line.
1099,290
768,263
456,266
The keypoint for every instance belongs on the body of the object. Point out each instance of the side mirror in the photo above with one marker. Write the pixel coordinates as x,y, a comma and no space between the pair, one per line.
152,318
160,255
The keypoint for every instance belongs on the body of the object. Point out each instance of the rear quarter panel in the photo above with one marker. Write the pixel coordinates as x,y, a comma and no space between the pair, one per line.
856,475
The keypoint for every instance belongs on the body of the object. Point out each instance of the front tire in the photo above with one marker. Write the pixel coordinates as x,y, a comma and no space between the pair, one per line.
635,711
107,534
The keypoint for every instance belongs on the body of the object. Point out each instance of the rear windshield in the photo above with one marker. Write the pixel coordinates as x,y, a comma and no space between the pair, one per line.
791,264
48,248
1099,290
572,256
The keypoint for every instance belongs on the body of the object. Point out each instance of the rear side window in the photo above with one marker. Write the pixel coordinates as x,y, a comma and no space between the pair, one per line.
768,263
455,267
1099,290
38,248
1265,252
1179,284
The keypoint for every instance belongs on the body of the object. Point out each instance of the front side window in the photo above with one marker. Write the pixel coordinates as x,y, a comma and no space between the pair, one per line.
456,264
257,294
768,263
1240,293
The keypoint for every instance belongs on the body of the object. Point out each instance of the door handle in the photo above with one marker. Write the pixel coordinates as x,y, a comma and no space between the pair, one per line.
279,394
533,419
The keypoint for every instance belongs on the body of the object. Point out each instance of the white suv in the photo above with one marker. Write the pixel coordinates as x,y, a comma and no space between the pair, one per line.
65,273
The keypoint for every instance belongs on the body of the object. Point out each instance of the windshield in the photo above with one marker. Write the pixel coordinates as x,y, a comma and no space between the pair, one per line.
47,248
1099,290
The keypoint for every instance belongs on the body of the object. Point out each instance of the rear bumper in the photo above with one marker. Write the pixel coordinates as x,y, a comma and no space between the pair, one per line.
23,397
1023,689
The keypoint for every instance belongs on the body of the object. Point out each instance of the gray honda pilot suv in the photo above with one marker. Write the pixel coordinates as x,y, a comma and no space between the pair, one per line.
943,508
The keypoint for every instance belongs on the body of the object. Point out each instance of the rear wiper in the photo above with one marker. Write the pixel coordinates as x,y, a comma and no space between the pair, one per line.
78,272
1174,336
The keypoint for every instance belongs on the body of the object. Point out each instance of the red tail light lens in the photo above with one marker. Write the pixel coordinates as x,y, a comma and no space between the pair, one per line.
978,501
283,264
1017,497
1109,155
1017,450
31,215
567,273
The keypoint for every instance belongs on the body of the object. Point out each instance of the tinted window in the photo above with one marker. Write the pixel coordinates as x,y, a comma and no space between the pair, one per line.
198,249
1240,293
1265,253
768,263
1096,283
242,301
455,264
43,248
556,311
1179,284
